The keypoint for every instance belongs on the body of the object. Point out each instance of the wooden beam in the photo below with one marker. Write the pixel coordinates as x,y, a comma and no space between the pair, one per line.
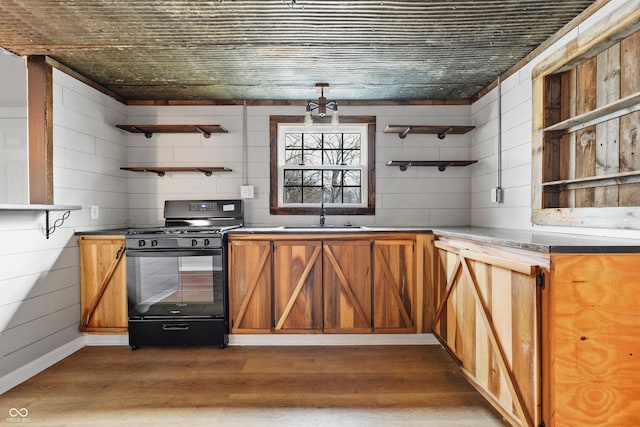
40,110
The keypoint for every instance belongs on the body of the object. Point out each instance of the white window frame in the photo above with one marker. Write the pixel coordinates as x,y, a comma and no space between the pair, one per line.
361,129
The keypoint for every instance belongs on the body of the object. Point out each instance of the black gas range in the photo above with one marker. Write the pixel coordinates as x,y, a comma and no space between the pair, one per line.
177,275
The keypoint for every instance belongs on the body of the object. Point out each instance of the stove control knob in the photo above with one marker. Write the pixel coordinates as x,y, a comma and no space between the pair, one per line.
194,242
142,243
154,243
206,242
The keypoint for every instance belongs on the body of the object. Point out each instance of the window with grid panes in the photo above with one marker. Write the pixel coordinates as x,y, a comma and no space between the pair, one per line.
323,163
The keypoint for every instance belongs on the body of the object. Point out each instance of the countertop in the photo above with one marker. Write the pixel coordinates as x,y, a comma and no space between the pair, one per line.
542,241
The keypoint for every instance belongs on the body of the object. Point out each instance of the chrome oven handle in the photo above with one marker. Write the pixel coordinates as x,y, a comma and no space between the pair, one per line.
175,327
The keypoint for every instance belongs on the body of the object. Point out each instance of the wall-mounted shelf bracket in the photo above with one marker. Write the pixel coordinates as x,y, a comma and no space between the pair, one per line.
149,130
440,131
440,164
57,223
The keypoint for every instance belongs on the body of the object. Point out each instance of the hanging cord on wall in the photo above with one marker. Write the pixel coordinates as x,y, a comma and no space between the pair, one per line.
498,196
245,144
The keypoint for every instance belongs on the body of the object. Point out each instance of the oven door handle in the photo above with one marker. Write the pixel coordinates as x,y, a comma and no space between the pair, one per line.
173,252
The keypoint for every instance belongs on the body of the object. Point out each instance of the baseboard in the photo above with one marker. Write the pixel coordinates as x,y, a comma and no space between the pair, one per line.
27,371
332,339
106,339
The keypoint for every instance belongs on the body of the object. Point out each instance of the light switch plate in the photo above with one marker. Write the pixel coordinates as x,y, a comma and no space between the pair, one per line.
246,192
95,212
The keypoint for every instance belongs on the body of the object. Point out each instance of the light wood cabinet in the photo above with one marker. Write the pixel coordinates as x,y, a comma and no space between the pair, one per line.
332,283
250,290
103,284
487,315
546,338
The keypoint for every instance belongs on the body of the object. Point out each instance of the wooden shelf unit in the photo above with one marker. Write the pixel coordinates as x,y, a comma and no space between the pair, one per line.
149,130
162,170
586,106
441,130
441,164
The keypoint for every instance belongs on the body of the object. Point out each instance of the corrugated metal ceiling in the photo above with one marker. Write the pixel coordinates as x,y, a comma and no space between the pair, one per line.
276,50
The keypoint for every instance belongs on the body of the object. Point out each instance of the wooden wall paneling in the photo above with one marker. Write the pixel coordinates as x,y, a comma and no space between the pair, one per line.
347,279
630,124
250,295
595,313
607,133
40,118
394,285
297,291
586,99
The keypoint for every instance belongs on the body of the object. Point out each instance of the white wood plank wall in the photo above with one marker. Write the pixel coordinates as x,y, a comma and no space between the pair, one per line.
39,278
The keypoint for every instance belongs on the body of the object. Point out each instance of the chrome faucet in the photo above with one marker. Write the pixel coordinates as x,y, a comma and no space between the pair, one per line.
333,200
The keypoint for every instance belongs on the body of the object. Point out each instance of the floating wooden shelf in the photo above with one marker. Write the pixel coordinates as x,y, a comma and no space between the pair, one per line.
596,181
602,114
149,130
441,164
161,170
441,131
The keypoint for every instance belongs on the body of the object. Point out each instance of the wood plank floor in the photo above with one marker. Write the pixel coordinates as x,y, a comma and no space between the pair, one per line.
252,386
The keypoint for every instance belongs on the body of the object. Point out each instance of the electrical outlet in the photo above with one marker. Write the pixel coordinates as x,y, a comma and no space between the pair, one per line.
246,192
95,212
497,195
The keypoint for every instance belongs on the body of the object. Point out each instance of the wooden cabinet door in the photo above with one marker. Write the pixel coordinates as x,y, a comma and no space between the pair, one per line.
347,286
103,284
488,315
250,286
394,286
297,285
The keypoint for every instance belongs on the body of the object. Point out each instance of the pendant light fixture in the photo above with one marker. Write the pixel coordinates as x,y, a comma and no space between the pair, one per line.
321,105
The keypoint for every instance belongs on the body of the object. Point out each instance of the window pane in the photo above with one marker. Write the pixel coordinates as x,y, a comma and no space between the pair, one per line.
352,141
292,195
352,177
292,177
293,157
332,178
312,178
312,140
351,157
312,157
332,157
332,141
311,194
351,195
293,140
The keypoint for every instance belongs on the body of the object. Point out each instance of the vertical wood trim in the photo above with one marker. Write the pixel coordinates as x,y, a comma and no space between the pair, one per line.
40,110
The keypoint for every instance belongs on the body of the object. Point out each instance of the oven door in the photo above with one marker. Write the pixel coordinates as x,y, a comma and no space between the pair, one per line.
184,283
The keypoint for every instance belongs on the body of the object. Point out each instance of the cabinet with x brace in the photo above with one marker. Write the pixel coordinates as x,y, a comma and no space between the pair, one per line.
331,284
